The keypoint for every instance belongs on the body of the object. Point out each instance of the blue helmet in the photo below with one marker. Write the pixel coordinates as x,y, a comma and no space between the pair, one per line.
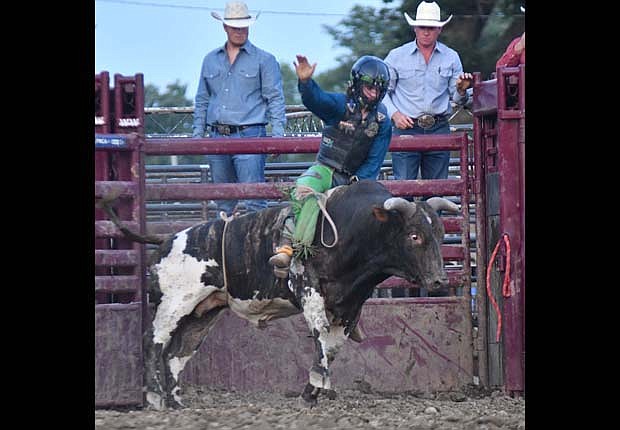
368,70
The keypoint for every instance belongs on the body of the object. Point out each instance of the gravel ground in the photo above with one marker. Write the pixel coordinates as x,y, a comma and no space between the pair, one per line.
351,409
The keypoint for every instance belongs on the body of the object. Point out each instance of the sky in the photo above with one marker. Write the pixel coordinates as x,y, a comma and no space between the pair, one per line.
167,40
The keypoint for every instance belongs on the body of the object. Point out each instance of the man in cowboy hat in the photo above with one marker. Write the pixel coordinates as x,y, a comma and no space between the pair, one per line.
239,92
423,79
423,74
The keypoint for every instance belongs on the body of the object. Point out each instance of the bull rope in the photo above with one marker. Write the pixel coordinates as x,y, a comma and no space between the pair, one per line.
505,286
302,192
227,219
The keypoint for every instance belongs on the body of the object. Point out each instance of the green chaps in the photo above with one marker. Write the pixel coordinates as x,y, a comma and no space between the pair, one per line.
319,178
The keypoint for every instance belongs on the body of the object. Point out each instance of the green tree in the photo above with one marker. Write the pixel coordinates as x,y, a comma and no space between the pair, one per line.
168,123
174,95
289,85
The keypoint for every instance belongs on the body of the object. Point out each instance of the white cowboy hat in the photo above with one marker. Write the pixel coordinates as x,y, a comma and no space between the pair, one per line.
236,15
427,15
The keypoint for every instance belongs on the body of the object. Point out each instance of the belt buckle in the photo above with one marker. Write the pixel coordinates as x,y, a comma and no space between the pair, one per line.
426,121
223,129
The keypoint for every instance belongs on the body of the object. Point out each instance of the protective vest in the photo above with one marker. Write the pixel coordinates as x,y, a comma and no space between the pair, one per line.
345,146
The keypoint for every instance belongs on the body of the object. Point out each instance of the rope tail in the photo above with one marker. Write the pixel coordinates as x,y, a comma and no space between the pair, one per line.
105,205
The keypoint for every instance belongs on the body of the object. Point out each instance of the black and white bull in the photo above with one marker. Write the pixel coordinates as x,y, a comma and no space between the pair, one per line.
379,236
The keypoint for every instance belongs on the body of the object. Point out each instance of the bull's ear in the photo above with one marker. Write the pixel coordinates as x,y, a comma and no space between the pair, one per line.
380,214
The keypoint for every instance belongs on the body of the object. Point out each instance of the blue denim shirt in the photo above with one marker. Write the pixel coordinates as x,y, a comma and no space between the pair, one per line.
249,91
330,107
416,87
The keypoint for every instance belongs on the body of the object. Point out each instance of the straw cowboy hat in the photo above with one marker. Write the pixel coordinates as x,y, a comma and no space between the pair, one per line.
236,15
427,15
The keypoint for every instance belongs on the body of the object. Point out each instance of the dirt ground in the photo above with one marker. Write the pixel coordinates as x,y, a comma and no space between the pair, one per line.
361,408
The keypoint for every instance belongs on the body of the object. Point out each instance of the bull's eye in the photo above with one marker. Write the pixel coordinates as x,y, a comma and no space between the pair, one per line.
415,238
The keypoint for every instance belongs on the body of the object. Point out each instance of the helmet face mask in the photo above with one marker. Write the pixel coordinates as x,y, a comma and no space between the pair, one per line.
368,71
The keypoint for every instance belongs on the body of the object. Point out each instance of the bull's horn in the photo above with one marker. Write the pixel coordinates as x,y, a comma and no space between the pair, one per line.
401,205
439,203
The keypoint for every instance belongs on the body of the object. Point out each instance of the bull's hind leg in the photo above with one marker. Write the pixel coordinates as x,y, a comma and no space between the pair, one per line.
328,339
163,369
185,341
154,372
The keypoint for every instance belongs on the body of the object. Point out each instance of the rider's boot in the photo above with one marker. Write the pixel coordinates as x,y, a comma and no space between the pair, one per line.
282,258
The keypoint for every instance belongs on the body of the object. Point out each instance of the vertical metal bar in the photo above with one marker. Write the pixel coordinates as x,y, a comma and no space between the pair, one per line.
102,161
137,209
511,223
102,109
129,103
465,239
481,245
522,165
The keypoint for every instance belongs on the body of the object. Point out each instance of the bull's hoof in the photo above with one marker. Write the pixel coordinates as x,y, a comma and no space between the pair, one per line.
306,404
172,403
160,402
310,395
154,401
330,394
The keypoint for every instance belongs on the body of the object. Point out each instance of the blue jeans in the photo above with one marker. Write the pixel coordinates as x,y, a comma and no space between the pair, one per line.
433,164
229,168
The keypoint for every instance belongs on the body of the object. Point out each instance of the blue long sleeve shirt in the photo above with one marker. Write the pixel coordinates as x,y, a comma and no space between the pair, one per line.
416,87
330,108
249,91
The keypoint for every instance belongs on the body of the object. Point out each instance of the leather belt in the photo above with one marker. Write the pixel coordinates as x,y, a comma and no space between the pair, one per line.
227,129
426,120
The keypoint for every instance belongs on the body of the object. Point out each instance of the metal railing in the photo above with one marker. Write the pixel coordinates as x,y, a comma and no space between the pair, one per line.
177,121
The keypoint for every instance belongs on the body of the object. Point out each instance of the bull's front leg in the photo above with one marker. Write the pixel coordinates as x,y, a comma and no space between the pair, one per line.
328,339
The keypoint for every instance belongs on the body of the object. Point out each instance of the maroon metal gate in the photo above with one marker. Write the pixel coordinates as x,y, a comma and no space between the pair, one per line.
499,140
119,263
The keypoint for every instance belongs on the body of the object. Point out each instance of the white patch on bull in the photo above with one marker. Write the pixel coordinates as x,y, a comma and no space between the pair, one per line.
258,312
319,380
175,394
332,340
155,400
177,364
331,337
296,268
179,281
314,310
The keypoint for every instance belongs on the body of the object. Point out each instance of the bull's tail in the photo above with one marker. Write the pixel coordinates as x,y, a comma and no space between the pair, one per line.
104,204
